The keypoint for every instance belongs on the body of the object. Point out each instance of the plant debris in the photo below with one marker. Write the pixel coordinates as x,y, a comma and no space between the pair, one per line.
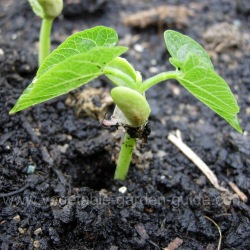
164,14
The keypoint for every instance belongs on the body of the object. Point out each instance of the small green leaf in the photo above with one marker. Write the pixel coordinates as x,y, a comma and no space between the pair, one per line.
208,87
121,73
180,45
133,105
80,42
37,8
67,75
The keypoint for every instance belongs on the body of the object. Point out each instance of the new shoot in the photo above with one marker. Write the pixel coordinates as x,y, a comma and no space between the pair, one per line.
89,54
48,10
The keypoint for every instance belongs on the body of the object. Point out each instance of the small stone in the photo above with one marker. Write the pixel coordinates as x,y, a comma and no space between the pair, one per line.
38,231
153,70
63,148
36,244
139,48
21,230
54,202
31,169
14,36
1,54
17,218
161,153
103,192
122,190
69,137
7,148
153,62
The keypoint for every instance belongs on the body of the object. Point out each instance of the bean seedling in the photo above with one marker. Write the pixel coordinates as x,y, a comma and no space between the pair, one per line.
89,54
48,10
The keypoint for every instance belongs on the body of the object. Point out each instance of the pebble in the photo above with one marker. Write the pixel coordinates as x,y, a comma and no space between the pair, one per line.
14,36
153,70
138,48
161,153
17,218
122,190
1,54
31,169
21,230
153,62
63,148
38,231
36,244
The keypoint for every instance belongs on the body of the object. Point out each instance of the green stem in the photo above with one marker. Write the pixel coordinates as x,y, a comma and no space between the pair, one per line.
44,40
119,74
124,157
158,78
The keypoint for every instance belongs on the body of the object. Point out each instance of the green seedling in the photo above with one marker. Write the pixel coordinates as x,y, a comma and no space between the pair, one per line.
48,10
89,54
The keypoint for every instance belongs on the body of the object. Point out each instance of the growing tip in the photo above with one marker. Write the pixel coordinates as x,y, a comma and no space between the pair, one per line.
47,8
13,111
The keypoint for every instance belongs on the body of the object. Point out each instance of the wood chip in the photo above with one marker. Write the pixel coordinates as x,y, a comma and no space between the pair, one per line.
141,231
174,244
242,196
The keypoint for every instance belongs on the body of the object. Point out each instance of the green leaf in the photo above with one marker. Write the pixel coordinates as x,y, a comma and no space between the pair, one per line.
67,75
121,73
80,59
208,87
179,46
80,42
132,104
37,8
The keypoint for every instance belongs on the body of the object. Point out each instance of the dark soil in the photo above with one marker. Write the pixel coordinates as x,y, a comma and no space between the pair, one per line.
71,201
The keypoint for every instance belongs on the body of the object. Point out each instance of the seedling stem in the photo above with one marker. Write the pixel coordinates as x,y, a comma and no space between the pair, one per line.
157,79
124,157
44,45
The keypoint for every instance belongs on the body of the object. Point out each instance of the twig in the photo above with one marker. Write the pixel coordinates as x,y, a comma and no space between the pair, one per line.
143,233
177,141
30,131
14,192
220,239
5,137
46,156
242,196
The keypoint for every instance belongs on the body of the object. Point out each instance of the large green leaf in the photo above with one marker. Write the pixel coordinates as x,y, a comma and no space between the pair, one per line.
67,75
179,46
196,73
208,87
79,42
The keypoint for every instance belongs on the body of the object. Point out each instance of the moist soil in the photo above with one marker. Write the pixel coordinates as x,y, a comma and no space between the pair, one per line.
70,200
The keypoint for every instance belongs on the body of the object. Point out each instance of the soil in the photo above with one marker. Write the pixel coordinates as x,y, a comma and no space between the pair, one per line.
70,200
